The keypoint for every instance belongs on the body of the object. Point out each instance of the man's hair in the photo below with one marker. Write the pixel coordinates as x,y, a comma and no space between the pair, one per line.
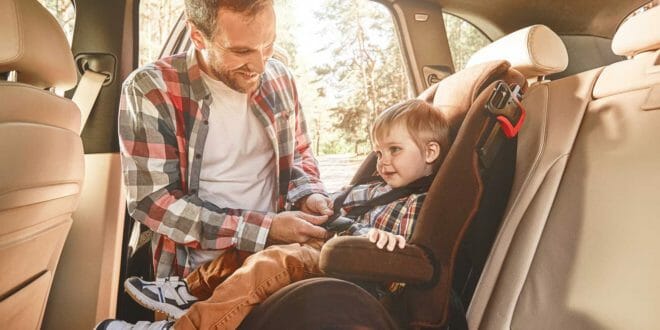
203,13
424,122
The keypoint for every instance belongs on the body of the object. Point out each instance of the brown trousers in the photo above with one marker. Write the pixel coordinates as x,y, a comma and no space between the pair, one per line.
236,282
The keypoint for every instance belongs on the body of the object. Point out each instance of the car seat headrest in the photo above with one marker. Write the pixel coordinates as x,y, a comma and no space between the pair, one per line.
34,45
455,94
533,51
638,34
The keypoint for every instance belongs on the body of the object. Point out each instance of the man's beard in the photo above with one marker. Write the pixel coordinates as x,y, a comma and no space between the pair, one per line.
232,79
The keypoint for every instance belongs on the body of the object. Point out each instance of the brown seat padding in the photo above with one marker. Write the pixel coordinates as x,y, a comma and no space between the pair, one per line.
356,258
319,303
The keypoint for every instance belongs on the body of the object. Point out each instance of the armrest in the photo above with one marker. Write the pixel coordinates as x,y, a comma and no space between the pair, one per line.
355,258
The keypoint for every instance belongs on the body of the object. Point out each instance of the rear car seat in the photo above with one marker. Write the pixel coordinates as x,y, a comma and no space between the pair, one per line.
578,245
42,166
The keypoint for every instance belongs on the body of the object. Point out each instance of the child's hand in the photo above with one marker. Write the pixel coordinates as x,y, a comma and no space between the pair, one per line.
383,238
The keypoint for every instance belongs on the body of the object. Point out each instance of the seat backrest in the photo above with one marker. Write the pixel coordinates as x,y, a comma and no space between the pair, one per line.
577,249
42,158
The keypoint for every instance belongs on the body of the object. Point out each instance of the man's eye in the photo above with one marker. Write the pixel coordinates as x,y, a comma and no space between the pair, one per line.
394,149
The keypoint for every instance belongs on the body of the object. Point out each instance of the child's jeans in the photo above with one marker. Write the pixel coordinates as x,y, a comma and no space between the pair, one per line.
260,276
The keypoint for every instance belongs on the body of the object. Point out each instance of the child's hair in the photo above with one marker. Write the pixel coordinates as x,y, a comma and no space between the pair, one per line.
424,122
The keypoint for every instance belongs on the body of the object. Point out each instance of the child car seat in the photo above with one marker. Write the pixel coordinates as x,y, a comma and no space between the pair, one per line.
470,189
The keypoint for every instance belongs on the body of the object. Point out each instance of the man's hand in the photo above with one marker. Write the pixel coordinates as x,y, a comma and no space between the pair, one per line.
316,204
383,238
296,227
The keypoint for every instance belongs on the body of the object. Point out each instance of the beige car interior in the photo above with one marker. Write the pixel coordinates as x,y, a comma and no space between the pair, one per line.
578,245
42,196
577,248
42,168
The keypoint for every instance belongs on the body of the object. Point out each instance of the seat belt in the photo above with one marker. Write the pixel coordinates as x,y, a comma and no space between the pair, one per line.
86,93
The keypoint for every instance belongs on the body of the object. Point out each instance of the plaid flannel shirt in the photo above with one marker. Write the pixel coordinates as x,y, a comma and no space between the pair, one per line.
163,124
397,217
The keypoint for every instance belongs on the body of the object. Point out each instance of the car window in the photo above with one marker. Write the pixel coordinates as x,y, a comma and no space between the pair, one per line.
157,17
346,57
464,39
64,12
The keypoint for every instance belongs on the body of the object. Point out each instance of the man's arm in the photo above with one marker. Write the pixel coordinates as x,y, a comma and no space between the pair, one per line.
151,174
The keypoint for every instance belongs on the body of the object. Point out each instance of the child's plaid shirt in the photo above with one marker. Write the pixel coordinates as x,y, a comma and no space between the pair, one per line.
163,124
397,217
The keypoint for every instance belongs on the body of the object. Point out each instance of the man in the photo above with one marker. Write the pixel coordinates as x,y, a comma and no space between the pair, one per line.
214,143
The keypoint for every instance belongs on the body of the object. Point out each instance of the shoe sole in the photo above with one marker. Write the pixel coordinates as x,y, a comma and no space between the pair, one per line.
146,302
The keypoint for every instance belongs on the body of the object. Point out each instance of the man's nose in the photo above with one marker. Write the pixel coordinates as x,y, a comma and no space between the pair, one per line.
257,62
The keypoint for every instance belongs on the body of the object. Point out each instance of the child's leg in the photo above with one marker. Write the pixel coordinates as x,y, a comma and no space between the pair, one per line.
261,275
173,296
203,280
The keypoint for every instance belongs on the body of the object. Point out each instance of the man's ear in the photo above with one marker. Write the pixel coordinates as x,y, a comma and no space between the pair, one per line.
197,36
432,152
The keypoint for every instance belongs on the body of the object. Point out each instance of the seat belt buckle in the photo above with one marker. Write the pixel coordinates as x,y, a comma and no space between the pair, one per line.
506,107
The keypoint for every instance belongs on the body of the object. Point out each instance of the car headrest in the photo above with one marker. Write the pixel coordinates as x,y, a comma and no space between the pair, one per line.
533,51
34,45
455,94
638,34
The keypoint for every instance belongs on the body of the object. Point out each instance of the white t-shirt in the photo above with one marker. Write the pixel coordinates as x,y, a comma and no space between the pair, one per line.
238,162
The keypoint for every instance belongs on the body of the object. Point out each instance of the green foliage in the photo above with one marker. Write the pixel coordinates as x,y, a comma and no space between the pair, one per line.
464,40
364,68
157,18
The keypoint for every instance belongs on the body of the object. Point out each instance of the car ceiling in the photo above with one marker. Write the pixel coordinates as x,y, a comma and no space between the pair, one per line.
566,17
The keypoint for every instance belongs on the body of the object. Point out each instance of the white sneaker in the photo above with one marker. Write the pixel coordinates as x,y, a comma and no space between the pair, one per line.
141,325
167,295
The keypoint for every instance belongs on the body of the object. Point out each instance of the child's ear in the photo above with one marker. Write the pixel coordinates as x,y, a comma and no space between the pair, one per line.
432,152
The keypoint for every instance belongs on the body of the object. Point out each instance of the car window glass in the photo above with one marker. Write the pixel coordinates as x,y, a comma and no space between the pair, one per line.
346,58
157,17
464,39
65,14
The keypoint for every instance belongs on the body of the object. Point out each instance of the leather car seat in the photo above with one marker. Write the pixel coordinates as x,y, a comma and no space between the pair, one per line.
42,164
578,245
